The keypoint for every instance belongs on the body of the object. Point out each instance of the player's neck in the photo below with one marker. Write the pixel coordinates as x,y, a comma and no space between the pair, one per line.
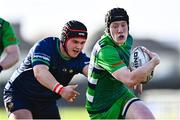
63,53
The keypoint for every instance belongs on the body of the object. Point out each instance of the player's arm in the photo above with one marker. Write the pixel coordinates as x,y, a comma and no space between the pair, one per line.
138,75
46,79
11,49
85,70
11,58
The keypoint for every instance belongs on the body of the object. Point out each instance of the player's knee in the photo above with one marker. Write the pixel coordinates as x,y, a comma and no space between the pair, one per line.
20,114
138,110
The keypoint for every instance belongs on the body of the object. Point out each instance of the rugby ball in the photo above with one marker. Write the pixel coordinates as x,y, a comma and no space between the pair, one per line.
138,58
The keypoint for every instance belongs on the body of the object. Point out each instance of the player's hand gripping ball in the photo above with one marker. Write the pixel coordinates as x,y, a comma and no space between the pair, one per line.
138,58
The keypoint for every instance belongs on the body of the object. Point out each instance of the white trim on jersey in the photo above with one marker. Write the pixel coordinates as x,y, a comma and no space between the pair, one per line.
92,80
89,97
126,105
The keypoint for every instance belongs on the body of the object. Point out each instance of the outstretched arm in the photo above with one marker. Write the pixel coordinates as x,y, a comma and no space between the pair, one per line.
45,78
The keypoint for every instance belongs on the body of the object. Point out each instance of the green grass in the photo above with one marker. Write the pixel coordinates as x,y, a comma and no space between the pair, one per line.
3,114
78,113
75,113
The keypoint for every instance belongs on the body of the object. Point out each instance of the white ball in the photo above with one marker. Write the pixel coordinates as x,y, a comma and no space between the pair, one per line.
138,58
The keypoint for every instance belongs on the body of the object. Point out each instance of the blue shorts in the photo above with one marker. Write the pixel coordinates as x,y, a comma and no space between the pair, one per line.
39,109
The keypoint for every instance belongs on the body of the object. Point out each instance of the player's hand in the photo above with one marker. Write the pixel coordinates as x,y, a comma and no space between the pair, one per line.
138,88
155,57
69,93
152,55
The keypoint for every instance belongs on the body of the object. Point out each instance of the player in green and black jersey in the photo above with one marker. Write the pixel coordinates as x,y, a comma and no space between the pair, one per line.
109,79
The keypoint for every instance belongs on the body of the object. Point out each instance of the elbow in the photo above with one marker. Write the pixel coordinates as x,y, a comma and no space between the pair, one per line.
125,76
128,80
16,56
137,78
37,74
40,72
131,79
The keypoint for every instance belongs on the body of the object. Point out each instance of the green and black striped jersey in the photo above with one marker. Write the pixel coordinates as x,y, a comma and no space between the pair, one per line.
103,89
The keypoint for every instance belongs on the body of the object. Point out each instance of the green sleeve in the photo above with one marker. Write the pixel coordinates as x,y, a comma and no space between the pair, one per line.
9,37
109,59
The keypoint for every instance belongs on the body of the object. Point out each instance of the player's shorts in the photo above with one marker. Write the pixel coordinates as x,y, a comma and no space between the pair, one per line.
119,109
39,109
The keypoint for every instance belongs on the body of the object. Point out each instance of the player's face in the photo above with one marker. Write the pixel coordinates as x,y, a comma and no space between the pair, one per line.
119,31
74,46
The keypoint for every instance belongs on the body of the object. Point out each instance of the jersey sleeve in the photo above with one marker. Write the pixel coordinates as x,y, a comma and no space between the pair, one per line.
42,53
83,61
9,37
109,59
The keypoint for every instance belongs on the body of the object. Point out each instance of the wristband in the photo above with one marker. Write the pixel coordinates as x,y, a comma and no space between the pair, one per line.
58,88
1,68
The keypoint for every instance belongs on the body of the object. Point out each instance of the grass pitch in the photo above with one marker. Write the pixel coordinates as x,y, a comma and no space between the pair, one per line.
3,114
76,113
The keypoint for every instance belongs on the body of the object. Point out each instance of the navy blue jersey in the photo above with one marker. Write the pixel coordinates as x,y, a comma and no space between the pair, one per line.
47,52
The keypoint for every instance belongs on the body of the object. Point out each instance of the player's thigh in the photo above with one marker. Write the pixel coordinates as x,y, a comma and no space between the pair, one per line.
17,107
138,110
20,114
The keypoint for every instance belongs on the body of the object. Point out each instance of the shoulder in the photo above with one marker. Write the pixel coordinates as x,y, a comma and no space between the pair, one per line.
83,56
105,46
5,24
48,41
105,43
108,49
1,21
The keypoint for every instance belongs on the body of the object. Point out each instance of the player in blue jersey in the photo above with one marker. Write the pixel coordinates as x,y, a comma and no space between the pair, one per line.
43,76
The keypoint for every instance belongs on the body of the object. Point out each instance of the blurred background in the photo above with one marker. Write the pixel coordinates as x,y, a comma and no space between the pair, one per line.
154,24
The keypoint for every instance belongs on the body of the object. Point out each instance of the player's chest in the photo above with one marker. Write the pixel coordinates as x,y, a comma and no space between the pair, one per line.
124,55
64,67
